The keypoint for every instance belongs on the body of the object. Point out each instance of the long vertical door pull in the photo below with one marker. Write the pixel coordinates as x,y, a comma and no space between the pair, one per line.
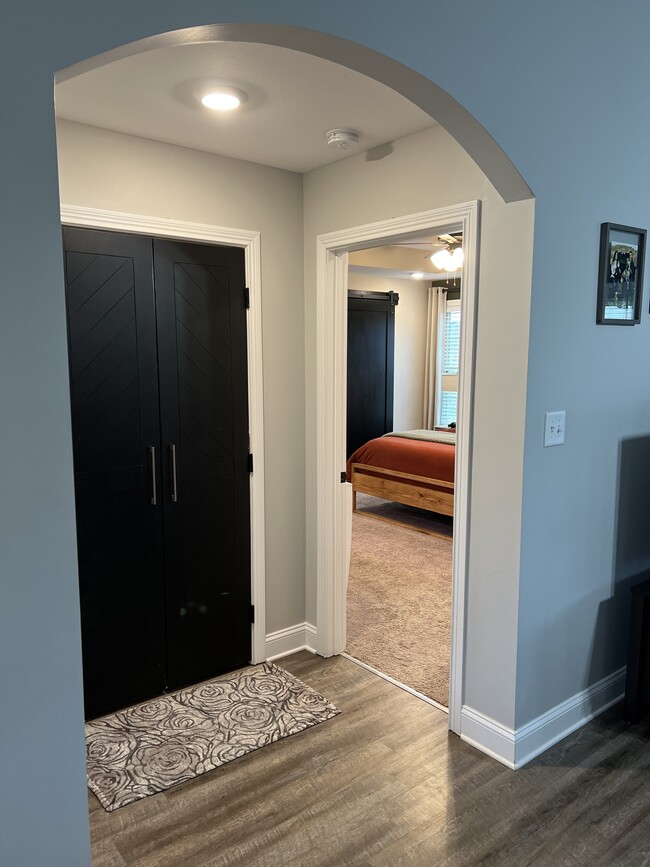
154,493
202,372
172,450
115,413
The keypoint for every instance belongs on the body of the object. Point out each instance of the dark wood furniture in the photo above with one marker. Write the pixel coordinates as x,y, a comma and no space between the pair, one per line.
637,683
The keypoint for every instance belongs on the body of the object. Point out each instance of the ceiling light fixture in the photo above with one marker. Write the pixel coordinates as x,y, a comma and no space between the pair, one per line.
223,99
417,275
449,259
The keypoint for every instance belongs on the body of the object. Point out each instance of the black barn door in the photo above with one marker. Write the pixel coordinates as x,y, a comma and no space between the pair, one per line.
115,425
370,372
159,389
204,417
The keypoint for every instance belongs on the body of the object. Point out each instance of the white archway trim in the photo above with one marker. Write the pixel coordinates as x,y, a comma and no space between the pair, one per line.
93,218
333,497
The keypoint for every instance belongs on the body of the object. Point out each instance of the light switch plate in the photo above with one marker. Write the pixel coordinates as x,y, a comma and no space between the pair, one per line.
554,423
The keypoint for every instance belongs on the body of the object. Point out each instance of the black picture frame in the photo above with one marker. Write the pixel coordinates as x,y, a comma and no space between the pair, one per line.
620,274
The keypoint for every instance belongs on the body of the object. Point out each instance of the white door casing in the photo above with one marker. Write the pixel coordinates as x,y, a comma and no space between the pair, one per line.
334,499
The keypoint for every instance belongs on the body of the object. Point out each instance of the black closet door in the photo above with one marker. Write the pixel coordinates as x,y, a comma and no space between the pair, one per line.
370,373
115,421
204,420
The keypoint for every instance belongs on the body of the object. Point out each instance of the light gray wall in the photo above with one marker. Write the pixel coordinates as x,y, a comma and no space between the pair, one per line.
410,343
103,169
546,94
424,171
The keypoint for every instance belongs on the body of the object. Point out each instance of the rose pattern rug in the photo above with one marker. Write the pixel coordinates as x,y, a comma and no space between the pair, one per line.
145,749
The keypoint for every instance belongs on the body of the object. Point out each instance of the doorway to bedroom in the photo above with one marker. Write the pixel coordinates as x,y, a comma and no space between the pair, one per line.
335,499
403,343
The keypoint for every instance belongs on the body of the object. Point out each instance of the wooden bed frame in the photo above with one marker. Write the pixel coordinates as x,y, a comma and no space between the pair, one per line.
402,488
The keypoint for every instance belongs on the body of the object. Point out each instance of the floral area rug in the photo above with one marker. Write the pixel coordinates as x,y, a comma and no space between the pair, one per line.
155,745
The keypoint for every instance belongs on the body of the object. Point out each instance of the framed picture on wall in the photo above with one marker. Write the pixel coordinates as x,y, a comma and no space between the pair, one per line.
620,274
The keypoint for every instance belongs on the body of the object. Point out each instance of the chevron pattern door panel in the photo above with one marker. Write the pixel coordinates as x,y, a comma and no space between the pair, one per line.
159,393
204,415
113,381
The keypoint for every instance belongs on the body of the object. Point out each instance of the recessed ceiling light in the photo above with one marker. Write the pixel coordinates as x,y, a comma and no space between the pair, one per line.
223,99
417,275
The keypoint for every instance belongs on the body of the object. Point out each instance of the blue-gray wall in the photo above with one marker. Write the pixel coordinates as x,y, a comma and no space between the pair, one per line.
562,87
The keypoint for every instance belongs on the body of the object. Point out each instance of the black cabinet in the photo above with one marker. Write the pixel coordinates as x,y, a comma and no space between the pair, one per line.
159,395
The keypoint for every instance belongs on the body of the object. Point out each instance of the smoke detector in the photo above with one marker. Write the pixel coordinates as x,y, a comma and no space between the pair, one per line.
342,138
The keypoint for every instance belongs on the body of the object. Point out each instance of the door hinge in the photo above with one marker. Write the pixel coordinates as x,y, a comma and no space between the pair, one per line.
344,477
251,613
247,298
250,462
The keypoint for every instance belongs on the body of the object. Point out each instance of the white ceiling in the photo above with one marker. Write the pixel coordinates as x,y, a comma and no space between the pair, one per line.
293,100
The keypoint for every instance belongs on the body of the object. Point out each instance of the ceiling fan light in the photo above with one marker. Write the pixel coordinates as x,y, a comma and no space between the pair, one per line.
441,259
448,260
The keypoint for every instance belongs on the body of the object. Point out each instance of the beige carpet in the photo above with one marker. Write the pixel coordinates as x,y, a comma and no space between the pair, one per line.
399,604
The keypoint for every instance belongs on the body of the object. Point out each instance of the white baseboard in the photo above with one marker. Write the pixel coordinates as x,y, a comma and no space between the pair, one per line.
515,748
302,636
488,736
559,722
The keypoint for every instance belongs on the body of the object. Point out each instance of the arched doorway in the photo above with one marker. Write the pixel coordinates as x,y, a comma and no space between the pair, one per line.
467,132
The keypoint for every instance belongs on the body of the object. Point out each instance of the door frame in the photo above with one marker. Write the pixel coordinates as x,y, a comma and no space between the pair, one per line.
250,242
334,500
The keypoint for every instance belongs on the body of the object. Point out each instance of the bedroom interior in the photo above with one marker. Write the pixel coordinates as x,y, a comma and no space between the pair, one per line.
402,385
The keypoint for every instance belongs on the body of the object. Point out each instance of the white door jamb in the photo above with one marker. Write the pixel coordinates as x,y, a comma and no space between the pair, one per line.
333,497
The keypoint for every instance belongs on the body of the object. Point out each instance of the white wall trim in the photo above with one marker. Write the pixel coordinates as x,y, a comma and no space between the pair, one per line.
95,218
516,748
333,498
302,636
559,722
488,736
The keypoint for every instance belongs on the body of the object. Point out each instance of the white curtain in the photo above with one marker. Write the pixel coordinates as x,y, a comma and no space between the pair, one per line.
436,303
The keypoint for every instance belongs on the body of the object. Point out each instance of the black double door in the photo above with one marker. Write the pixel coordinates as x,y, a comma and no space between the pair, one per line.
158,372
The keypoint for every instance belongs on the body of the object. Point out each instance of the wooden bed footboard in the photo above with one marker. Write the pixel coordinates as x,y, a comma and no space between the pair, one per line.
402,488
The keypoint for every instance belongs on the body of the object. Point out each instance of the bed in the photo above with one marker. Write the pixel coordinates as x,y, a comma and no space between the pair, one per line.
415,468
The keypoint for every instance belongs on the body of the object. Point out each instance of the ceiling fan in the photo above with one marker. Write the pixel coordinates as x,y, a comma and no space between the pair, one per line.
446,250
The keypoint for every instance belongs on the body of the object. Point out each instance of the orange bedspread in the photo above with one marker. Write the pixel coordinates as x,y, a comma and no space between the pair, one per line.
417,457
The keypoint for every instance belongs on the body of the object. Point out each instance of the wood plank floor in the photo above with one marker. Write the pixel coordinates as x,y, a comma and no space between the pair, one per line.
384,783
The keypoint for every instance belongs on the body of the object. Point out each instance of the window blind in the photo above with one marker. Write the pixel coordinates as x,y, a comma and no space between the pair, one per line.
450,353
